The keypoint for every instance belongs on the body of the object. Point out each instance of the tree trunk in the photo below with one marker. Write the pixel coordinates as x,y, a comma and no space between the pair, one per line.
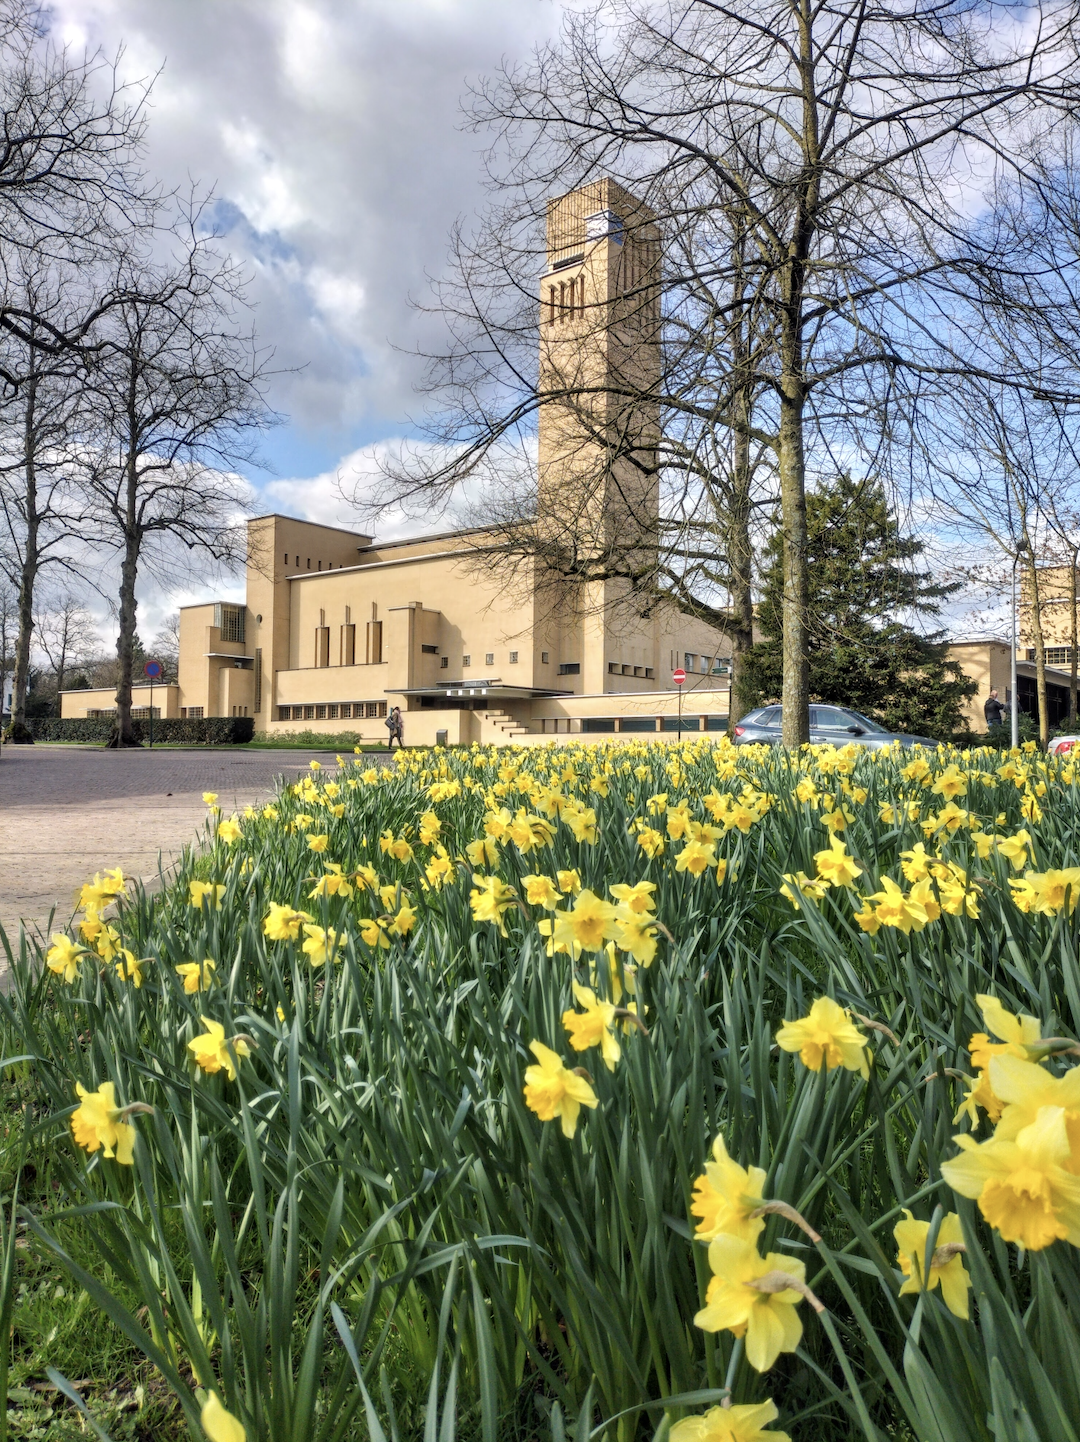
1040,649
740,562
123,734
796,692
1072,637
19,731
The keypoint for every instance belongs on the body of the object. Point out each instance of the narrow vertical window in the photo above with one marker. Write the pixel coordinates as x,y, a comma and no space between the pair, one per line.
258,680
551,305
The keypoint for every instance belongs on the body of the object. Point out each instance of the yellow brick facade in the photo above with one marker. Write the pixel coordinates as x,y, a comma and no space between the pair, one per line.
337,628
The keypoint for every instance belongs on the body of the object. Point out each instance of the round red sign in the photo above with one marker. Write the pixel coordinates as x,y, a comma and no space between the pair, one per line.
678,676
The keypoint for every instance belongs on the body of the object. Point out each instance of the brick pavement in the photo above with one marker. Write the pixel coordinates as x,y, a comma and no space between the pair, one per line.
66,812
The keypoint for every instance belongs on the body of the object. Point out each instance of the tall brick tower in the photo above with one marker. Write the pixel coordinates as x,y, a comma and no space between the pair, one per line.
599,417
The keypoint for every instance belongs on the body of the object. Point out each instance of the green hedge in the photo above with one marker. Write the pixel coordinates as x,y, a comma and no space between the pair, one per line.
172,731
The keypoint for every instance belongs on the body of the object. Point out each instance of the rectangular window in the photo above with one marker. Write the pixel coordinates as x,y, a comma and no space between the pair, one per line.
230,621
372,708
650,674
374,643
331,712
570,668
513,658
348,645
716,723
544,658
430,650
309,713
284,713
489,658
466,662
346,710
322,645
598,724
195,713
381,708
1058,655
258,680
444,664
320,713
638,723
612,668
671,723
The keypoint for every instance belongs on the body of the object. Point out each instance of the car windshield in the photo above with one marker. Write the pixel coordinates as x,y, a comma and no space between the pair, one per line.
865,722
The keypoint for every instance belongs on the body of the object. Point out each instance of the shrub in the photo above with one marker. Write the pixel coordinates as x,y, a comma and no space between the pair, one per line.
169,730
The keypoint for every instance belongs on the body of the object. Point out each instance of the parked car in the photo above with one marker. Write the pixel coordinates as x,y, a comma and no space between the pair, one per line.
836,725
1061,745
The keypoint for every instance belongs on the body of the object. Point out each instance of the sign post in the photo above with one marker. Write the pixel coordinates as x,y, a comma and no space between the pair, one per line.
153,671
679,677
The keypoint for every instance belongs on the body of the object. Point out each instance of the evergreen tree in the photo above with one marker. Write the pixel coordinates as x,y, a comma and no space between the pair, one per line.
863,579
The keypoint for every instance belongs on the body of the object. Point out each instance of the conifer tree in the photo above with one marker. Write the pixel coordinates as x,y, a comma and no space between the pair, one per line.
865,588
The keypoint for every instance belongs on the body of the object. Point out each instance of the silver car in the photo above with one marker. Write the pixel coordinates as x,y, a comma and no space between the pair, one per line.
836,725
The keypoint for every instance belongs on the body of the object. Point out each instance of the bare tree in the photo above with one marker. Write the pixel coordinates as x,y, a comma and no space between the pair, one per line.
178,394
68,636
827,160
165,646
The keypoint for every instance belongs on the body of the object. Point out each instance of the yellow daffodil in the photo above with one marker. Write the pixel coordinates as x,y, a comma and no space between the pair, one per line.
745,1422
696,857
200,891
63,957
229,831
129,968
552,1091
1047,892
896,909
1016,1034
213,1053
651,842
483,852
637,937
491,899
210,797
541,891
219,1424
1022,1184
283,923
767,1320
950,783
196,975
331,883
318,843
835,865
950,1273
1015,849
827,1037
725,1197
98,1122
592,1027
321,945
403,921
373,933
638,898
915,864
588,925
797,885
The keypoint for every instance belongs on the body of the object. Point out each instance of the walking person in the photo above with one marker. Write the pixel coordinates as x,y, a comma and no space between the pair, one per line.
396,727
994,710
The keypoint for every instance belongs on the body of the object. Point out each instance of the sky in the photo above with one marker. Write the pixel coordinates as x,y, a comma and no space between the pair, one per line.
330,132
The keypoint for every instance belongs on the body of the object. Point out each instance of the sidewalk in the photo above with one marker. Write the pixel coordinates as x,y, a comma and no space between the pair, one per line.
66,812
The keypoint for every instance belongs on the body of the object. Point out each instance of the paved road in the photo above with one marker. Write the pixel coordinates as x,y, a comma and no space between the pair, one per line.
66,812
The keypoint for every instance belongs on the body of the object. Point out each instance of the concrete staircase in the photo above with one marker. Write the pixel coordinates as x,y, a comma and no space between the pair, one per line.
500,727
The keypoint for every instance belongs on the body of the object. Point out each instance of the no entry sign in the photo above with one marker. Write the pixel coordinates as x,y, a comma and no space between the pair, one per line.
678,676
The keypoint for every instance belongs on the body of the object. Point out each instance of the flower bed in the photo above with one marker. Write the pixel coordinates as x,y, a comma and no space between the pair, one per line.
652,1086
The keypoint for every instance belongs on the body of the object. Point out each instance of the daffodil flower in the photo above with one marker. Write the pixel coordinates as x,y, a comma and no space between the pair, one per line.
745,1422
98,1123
213,1053
219,1424
63,957
552,1091
725,1197
767,1319
950,1274
826,1037
592,1027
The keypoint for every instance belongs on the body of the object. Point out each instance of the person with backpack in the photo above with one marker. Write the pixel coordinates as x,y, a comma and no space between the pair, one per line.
396,727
